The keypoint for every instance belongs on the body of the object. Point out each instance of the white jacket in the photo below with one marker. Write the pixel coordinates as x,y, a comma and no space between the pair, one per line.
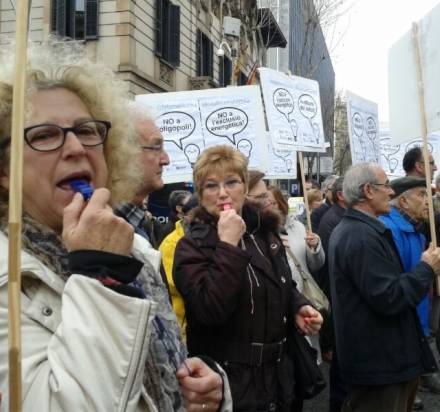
83,345
309,259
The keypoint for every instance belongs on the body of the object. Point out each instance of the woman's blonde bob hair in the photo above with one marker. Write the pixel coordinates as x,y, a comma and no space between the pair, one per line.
219,161
63,64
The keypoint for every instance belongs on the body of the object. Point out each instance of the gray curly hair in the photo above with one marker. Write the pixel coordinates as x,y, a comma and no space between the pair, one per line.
64,64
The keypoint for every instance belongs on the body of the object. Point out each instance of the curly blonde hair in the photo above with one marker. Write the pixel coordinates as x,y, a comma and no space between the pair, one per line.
219,160
64,64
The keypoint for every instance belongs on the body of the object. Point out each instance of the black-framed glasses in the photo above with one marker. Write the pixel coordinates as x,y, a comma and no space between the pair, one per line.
49,137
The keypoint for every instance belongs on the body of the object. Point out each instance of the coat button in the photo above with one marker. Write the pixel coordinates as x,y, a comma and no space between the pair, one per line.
273,246
283,279
47,311
284,319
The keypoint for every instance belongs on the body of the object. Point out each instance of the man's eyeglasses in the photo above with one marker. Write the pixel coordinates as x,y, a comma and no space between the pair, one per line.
386,185
214,187
157,148
49,137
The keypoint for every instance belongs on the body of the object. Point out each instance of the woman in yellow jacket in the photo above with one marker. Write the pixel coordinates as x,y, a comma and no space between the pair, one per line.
167,248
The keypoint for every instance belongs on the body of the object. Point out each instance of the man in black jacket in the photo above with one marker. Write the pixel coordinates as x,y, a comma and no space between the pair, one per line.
380,345
327,189
337,389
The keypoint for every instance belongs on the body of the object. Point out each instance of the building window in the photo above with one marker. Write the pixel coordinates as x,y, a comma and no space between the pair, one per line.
168,32
242,79
225,72
205,50
77,19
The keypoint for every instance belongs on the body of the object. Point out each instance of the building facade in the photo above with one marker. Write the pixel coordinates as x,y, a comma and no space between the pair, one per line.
158,45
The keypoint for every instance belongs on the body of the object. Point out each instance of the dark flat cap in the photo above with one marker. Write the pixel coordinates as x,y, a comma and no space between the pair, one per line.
402,184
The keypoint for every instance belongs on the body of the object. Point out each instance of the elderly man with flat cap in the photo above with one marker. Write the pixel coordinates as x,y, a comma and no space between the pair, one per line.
409,210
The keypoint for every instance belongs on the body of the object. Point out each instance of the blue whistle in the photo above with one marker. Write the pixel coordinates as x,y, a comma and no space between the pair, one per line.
82,187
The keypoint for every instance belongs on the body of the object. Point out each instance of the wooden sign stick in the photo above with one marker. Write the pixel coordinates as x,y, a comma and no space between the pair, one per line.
15,206
421,94
303,180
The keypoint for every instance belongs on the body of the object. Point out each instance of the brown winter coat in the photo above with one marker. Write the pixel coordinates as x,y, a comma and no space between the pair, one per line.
237,298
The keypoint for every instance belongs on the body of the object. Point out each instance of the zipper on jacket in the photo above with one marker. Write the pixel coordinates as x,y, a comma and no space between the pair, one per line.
134,370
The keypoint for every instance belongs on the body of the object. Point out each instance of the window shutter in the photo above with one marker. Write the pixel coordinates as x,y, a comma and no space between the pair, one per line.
60,17
158,27
210,59
174,36
199,53
53,15
91,19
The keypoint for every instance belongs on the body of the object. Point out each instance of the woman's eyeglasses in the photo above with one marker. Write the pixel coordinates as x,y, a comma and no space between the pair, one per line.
49,137
213,188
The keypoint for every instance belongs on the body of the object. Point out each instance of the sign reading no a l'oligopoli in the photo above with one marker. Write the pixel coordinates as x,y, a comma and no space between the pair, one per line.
363,129
293,110
405,111
391,153
191,121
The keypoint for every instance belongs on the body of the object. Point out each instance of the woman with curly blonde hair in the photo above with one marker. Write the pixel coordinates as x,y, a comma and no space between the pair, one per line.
98,329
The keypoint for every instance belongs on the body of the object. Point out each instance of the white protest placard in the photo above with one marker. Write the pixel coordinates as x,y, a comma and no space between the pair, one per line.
363,129
391,153
281,162
405,116
293,111
191,121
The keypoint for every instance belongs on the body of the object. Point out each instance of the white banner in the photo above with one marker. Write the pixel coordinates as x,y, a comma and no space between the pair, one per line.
282,162
191,121
363,129
405,118
391,158
293,111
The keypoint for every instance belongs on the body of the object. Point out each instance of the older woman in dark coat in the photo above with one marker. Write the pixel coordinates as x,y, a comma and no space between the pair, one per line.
240,300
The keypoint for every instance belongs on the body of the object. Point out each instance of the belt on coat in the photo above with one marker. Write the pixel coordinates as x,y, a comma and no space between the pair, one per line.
253,354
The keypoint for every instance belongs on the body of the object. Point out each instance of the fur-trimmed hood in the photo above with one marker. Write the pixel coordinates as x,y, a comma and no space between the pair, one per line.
255,218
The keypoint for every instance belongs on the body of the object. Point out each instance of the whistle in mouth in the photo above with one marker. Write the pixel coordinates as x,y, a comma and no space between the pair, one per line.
82,187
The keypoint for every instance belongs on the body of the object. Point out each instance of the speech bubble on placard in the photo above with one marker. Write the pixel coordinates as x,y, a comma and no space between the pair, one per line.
227,122
418,143
283,101
388,149
371,128
307,106
191,152
245,147
357,124
282,153
176,126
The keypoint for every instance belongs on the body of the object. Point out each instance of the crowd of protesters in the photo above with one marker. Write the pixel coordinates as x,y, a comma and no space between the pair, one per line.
120,312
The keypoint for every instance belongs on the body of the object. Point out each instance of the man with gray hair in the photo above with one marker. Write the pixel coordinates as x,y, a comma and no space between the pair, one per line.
326,189
380,344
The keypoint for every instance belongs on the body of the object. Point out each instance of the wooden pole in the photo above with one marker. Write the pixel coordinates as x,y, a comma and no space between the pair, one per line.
421,95
303,180
15,207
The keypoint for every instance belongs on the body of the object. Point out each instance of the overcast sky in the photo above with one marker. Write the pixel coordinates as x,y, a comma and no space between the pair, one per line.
372,26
